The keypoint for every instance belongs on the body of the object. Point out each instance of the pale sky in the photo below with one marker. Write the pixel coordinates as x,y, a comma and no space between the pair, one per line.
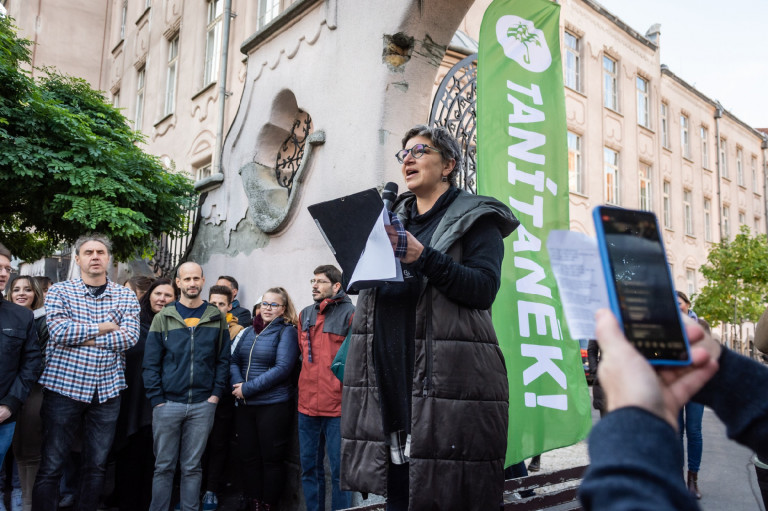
720,47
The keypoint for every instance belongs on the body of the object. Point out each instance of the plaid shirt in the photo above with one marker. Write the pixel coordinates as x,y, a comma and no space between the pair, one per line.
73,316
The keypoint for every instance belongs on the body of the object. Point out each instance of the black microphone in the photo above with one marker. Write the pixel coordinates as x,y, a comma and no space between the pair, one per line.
389,195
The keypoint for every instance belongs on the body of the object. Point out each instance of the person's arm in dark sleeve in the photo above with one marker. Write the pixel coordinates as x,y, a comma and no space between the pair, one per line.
745,411
30,367
222,362
153,363
474,282
592,355
633,456
287,357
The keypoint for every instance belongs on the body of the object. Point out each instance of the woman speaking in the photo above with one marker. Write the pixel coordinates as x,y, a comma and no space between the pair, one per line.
425,400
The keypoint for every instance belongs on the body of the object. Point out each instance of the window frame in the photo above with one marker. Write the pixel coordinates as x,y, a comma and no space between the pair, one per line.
572,61
643,102
611,176
688,212
726,215
666,204
704,132
685,140
611,84
171,77
723,158
645,176
141,83
575,175
214,14
707,219
664,124
739,166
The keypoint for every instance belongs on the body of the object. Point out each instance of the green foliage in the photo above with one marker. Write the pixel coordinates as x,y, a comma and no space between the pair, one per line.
70,163
737,280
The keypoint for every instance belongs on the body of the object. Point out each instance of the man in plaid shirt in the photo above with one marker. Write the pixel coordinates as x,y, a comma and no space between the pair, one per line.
92,321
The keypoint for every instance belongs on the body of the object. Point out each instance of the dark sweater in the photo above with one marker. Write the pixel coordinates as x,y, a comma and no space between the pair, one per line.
636,457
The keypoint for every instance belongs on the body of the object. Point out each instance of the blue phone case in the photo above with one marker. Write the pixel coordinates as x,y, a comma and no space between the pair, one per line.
610,282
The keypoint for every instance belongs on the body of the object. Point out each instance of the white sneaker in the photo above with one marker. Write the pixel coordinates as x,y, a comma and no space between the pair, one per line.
210,501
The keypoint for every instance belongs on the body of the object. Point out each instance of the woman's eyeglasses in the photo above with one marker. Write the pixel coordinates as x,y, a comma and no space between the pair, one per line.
272,305
416,151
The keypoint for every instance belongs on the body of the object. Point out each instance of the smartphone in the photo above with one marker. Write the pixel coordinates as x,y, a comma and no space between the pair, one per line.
639,284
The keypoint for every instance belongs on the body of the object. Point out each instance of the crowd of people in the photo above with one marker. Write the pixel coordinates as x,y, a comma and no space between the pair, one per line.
152,376
165,382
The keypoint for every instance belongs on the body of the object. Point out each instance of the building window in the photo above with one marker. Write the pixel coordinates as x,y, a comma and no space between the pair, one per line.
685,143
723,158
742,218
575,175
643,102
170,81
269,9
212,39
645,187
610,83
707,220
704,147
147,4
726,222
688,212
116,99
667,205
757,225
740,166
664,126
611,176
572,61
138,117
754,174
690,277
203,172
123,18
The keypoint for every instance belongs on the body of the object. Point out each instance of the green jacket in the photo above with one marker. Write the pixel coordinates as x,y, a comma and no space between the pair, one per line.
186,364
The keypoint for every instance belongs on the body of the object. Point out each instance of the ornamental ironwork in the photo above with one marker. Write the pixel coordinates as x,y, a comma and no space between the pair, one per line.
291,151
171,249
454,108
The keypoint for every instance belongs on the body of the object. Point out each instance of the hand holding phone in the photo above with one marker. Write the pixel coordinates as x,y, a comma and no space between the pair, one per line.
639,284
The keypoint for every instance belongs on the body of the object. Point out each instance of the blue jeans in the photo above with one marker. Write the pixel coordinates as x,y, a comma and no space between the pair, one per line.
180,432
6,437
690,424
314,433
61,418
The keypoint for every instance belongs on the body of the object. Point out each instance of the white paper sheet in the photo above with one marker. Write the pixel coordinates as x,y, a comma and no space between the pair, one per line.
378,262
575,261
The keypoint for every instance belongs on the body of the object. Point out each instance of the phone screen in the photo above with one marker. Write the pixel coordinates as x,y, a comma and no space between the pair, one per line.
643,287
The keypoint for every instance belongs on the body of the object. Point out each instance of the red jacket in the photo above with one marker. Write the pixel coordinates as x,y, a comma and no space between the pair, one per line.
324,326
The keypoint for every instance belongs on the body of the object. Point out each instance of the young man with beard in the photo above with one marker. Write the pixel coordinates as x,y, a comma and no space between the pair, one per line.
186,361
324,325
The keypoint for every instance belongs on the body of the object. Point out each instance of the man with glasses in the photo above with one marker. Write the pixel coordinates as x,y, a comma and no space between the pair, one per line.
20,363
186,362
324,325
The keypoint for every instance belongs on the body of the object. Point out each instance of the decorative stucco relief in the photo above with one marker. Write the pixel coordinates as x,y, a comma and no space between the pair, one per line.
141,47
172,14
291,50
646,146
613,129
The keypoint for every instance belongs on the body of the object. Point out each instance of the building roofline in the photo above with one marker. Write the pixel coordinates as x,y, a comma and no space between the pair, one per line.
665,71
618,22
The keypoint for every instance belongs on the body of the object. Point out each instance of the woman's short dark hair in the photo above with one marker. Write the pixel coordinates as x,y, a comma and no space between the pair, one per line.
684,298
443,141
147,314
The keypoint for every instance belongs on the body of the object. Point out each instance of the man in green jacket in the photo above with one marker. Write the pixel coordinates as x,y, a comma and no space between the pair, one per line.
186,362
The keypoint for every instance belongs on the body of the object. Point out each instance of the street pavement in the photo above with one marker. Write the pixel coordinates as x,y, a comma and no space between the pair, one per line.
726,478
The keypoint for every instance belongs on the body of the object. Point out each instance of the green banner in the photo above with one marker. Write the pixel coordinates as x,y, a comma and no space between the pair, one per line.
523,161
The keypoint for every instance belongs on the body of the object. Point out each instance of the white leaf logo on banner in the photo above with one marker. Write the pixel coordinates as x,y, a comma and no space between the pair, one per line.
523,43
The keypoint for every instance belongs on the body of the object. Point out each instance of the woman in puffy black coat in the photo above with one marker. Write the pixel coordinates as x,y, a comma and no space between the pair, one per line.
261,369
